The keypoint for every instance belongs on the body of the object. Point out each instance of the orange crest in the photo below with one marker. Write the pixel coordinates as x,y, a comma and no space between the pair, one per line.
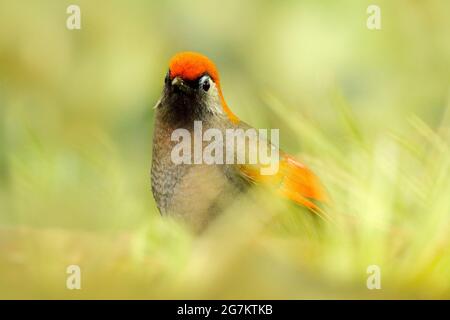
191,66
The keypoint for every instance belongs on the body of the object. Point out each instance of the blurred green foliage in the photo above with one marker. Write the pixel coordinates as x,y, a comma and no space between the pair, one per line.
368,110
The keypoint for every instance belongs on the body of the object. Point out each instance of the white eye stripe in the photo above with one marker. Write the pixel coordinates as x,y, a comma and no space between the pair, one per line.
204,79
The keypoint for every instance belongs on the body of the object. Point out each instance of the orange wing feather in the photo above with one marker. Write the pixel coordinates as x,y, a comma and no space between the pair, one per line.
293,181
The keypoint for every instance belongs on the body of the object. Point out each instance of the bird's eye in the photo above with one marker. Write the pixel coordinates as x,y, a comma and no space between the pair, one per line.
205,83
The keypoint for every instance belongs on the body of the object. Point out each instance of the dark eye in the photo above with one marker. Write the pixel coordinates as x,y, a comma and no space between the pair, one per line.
204,83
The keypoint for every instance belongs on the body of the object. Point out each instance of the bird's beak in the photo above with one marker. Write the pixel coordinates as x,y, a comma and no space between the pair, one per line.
180,84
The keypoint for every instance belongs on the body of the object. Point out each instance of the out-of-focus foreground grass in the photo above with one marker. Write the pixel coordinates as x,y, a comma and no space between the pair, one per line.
369,111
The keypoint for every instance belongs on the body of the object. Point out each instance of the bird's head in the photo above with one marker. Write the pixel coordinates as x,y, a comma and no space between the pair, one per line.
192,88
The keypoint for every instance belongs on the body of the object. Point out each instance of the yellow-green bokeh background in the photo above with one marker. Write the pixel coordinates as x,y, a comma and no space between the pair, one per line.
75,148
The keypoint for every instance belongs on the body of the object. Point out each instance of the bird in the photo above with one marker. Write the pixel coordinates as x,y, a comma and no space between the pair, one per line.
196,193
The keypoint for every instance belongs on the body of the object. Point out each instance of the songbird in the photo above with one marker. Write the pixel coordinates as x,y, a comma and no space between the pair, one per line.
196,193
